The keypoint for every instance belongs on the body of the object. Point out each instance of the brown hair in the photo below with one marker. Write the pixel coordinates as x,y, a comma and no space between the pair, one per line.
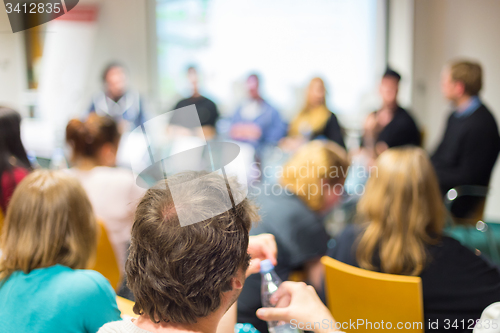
470,74
177,274
403,211
49,221
313,163
86,138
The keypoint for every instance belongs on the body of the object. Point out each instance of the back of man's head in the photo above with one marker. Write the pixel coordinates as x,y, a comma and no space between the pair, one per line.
178,273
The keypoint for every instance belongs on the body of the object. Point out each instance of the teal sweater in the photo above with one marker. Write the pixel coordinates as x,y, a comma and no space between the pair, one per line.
56,299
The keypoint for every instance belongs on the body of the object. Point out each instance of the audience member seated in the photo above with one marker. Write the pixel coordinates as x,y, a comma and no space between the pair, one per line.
470,145
256,122
401,232
185,278
207,110
391,126
117,100
112,191
14,163
314,120
311,184
49,238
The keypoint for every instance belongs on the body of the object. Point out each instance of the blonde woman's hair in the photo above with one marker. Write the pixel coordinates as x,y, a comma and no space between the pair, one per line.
315,118
314,164
403,211
49,221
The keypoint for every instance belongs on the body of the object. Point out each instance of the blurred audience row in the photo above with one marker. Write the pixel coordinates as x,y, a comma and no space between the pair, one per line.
49,230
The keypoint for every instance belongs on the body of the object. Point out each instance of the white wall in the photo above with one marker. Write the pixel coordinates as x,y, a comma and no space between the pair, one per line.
400,45
122,35
448,29
13,77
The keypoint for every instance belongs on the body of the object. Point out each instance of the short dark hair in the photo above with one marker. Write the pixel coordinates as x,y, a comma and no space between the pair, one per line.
389,72
109,67
177,274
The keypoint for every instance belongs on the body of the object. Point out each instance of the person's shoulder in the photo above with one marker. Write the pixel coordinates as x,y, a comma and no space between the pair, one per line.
268,106
207,100
449,249
89,281
79,283
484,113
120,326
113,173
183,102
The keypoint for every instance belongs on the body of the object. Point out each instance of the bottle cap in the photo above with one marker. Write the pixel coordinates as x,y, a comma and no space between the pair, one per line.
266,266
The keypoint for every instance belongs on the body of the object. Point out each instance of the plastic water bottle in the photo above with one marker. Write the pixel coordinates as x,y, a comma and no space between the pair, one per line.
269,285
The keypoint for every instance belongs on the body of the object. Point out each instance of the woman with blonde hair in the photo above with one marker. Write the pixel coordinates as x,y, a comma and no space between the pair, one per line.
315,120
402,217
311,183
48,239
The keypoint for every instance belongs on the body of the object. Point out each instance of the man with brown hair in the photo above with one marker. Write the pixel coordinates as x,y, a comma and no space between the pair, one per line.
185,278
471,143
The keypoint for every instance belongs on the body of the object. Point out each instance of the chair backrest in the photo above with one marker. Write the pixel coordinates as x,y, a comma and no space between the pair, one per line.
105,262
362,300
126,307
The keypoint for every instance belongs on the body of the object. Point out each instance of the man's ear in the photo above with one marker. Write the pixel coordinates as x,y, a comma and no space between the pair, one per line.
461,88
238,281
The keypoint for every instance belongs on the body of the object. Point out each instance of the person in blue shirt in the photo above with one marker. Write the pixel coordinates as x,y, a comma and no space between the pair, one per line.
49,238
256,122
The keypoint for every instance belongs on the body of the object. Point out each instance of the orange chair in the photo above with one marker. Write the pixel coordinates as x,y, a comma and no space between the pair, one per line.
105,262
374,301
126,307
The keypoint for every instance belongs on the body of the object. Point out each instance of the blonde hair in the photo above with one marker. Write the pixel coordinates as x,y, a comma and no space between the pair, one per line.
470,74
49,221
313,117
312,165
403,211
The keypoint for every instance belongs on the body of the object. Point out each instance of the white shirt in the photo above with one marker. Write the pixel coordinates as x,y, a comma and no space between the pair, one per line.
114,197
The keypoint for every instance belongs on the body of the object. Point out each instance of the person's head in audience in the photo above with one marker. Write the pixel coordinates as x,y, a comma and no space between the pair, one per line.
49,221
402,211
316,174
192,74
389,87
188,276
12,153
461,80
114,78
11,146
94,141
316,93
253,86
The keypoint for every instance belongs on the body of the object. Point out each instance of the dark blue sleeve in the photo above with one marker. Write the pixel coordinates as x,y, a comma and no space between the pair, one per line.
276,129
